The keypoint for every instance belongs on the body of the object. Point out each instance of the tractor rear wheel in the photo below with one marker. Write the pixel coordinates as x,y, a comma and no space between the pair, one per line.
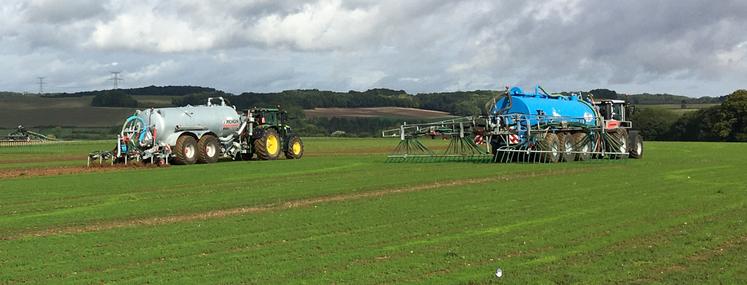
208,149
566,147
185,150
620,144
268,145
294,147
582,146
636,146
550,147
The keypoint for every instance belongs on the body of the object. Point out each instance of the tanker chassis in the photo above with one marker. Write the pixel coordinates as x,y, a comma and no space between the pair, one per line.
203,134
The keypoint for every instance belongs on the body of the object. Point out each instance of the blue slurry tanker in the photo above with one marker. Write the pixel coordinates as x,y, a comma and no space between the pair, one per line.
531,127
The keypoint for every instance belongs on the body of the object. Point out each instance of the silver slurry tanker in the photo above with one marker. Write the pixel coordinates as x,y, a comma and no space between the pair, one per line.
203,134
167,124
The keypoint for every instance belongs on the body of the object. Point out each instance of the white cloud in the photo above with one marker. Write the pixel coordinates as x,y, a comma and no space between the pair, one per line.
143,29
322,25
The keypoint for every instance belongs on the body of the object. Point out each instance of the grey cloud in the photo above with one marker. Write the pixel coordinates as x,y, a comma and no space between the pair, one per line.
62,11
688,47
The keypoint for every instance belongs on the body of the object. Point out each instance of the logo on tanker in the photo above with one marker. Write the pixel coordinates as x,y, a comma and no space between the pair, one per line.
231,124
588,117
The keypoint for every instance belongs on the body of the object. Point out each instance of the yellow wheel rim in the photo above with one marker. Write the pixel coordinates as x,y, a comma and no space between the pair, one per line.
296,148
272,144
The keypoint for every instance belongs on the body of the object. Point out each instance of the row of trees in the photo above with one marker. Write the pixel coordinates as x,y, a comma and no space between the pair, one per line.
113,98
724,122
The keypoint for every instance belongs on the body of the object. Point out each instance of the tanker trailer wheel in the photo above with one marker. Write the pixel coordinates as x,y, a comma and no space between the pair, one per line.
620,143
636,146
566,147
185,150
208,149
582,146
550,147
294,147
268,145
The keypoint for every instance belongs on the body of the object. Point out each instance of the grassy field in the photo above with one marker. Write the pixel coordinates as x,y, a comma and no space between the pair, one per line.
677,108
343,215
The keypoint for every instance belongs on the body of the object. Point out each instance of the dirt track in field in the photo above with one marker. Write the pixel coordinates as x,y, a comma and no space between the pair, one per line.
65,170
43,159
288,204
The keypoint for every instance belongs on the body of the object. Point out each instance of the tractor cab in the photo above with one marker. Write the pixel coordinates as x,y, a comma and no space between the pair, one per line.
613,112
269,116
611,109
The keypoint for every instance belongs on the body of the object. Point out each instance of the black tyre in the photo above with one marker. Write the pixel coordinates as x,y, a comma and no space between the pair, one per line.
185,150
582,146
268,145
550,147
636,146
566,147
244,156
208,149
495,145
294,147
619,144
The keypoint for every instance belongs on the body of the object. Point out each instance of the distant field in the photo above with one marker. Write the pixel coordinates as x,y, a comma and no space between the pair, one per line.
379,112
343,215
677,108
32,111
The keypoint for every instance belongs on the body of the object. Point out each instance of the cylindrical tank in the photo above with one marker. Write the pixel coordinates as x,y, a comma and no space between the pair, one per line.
544,108
167,123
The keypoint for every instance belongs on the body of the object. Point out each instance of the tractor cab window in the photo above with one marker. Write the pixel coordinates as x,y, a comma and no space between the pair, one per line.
618,112
605,110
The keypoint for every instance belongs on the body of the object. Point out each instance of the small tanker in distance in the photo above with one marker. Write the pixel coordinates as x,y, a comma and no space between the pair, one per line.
530,127
203,134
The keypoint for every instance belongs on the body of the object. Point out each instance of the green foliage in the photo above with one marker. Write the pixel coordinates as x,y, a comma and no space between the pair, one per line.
199,98
726,122
457,103
654,124
370,127
605,94
144,91
113,98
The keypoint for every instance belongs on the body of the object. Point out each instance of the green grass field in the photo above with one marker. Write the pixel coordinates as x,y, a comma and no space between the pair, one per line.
343,215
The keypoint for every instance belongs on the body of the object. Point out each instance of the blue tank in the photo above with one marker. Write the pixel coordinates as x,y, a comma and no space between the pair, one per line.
542,108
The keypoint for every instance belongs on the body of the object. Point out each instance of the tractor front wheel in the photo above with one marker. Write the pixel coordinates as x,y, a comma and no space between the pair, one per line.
636,146
185,150
268,145
294,147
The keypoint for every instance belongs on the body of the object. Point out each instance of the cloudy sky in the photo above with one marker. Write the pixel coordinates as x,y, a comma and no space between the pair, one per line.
686,47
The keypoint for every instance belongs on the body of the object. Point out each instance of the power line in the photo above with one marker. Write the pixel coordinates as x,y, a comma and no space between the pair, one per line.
116,78
41,85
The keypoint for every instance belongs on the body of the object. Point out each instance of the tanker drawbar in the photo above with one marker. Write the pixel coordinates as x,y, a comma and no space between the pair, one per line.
528,127
202,134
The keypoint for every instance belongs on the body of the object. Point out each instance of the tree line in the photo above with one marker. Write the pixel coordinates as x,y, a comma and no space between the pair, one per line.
722,122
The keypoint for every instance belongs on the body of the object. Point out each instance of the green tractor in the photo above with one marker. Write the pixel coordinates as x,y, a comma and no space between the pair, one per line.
268,135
